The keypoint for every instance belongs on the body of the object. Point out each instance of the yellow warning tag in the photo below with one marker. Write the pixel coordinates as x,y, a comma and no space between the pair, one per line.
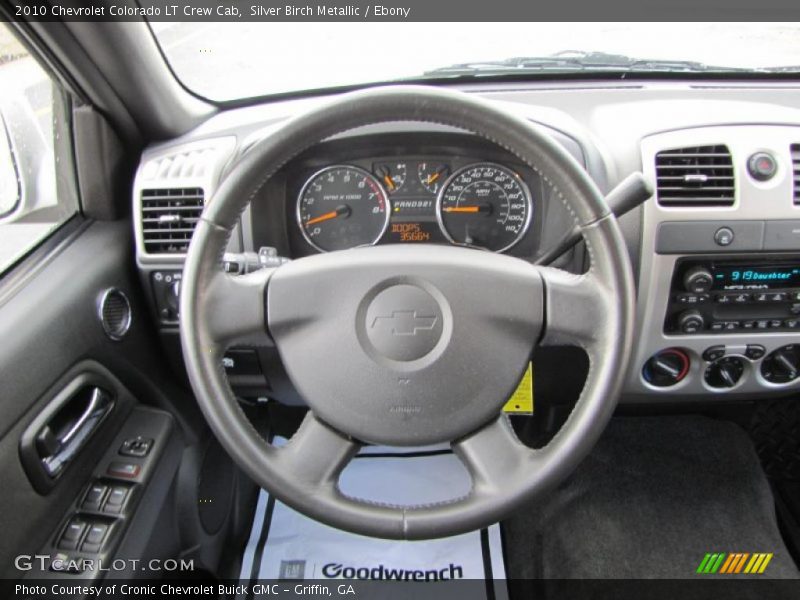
521,401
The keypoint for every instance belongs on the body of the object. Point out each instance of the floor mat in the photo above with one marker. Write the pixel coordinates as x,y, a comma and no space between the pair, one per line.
651,501
285,545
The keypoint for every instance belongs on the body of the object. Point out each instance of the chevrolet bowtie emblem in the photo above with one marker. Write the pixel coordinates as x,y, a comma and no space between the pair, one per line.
405,322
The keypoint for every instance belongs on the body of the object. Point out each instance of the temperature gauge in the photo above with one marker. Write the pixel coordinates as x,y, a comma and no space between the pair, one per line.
432,175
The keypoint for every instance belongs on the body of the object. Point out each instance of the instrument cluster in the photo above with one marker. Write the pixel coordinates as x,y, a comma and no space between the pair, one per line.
430,199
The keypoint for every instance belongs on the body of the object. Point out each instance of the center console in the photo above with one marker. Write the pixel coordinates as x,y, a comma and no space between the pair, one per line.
719,277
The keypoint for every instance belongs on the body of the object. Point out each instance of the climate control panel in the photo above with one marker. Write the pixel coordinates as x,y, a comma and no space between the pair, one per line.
724,296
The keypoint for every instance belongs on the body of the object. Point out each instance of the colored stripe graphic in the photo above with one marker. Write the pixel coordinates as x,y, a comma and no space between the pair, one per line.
734,563
727,564
703,563
764,564
740,564
711,562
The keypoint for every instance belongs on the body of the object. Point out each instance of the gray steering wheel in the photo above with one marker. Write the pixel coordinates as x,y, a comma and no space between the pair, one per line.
363,384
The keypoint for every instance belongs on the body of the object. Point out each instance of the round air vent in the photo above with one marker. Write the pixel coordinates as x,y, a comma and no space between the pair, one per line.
115,313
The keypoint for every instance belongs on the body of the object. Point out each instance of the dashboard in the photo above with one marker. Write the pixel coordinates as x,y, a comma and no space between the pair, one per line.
716,250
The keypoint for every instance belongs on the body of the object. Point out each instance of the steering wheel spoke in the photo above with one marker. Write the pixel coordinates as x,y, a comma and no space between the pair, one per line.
236,308
316,454
494,457
575,308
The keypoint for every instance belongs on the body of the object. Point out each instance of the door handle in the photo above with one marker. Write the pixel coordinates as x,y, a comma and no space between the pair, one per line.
67,432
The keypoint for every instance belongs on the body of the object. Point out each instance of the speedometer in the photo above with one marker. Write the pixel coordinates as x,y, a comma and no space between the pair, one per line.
342,207
484,206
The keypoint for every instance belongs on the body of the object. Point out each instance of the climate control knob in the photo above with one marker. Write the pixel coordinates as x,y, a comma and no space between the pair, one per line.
697,280
690,321
725,373
782,365
666,368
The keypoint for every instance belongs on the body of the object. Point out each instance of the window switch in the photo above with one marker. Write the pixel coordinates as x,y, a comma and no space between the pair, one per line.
123,470
94,497
94,538
138,447
116,498
72,534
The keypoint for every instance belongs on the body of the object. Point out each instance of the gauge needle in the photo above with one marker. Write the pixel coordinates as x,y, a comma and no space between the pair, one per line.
340,211
389,182
477,208
433,177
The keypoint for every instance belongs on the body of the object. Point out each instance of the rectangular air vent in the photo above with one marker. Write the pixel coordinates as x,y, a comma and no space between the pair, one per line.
696,176
169,217
796,172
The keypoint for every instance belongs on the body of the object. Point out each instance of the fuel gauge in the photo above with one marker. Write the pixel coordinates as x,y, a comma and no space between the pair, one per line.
391,175
432,175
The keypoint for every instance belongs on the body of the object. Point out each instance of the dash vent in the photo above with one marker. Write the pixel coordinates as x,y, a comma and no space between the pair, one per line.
169,216
796,172
695,176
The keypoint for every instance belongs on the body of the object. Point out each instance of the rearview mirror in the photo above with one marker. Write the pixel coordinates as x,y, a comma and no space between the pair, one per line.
10,184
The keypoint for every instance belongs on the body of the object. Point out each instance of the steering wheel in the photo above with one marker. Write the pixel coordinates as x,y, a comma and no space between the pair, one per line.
444,383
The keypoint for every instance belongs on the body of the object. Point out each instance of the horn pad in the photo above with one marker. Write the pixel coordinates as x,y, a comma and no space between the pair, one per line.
405,345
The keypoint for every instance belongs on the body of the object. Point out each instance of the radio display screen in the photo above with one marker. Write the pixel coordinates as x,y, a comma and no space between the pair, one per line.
782,276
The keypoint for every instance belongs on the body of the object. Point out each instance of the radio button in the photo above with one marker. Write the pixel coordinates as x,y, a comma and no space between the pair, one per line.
761,297
754,351
796,296
741,298
688,299
748,324
723,299
778,297
795,309
731,325
775,324
692,298
791,323
762,324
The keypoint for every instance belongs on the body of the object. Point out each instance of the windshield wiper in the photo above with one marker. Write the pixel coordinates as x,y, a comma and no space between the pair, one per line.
572,61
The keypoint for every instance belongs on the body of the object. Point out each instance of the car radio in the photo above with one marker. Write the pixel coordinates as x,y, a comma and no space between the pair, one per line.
726,296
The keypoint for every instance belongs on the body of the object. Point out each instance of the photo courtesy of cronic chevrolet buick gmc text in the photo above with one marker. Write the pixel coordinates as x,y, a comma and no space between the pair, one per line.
491,304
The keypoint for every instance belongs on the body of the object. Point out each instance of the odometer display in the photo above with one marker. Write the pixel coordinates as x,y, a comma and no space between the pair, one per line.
484,206
342,207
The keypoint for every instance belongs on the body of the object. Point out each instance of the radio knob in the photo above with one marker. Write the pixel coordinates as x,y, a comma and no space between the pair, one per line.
697,280
691,321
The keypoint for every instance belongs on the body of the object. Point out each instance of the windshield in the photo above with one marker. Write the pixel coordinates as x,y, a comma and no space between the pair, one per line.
227,61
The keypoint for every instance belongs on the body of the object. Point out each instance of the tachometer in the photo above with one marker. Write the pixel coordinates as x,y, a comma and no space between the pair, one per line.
485,206
341,207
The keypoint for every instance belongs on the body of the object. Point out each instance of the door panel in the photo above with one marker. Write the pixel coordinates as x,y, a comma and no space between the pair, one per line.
51,334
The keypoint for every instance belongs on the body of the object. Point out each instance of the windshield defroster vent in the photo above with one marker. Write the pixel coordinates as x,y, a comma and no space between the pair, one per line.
695,176
169,217
796,172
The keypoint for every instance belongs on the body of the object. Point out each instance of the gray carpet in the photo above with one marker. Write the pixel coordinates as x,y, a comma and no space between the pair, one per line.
651,500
